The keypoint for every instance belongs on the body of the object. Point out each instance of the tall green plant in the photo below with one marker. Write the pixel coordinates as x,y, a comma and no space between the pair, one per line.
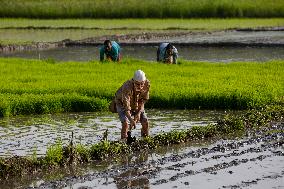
136,9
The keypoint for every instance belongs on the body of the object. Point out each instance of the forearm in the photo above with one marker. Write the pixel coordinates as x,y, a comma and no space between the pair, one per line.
128,115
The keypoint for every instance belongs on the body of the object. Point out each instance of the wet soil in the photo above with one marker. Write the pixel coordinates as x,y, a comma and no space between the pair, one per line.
148,53
230,38
32,46
254,161
23,135
214,38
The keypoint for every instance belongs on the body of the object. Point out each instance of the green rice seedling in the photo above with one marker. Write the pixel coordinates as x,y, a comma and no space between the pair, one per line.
4,108
99,151
231,125
34,156
134,9
54,154
72,86
147,142
58,155
83,153
51,103
105,149
47,29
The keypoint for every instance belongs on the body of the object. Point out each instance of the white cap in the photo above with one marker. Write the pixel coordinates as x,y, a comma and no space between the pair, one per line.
139,76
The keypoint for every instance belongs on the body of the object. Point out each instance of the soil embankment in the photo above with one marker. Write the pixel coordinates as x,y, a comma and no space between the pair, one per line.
31,46
262,37
252,162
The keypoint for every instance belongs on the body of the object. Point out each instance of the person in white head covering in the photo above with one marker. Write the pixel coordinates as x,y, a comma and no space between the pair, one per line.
167,53
130,99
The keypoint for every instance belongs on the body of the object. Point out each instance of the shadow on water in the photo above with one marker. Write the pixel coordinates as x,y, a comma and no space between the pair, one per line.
209,54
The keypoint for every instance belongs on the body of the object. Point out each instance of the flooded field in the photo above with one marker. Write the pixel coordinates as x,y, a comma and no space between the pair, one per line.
217,46
255,161
210,54
248,163
24,135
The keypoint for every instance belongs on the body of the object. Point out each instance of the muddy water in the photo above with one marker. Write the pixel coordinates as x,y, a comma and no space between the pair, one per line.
26,135
210,54
255,161
218,46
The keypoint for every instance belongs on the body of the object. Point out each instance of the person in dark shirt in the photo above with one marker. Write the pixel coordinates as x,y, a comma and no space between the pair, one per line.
111,50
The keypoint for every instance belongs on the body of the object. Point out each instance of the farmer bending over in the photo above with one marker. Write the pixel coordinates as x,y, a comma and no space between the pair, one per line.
112,51
130,99
167,53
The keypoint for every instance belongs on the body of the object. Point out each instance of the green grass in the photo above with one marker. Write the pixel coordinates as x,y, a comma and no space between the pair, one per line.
18,31
35,87
136,9
145,24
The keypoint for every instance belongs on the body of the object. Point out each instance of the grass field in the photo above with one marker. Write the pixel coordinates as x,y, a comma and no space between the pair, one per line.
33,86
143,24
23,31
136,9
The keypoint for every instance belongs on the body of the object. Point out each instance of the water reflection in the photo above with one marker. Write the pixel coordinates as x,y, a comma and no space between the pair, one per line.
26,135
133,177
247,162
210,54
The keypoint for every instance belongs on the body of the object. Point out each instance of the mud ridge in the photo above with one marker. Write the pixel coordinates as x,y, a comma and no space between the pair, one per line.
182,38
261,29
154,39
191,163
28,47
255,181
137,28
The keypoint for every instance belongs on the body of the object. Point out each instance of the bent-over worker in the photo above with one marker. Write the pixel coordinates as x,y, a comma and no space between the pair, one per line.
130,99
167,53
112,51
